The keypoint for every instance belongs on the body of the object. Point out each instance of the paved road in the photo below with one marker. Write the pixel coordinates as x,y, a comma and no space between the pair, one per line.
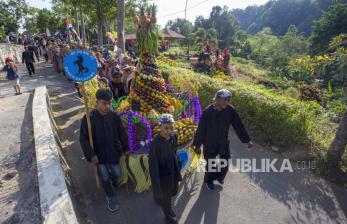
19,198
297,197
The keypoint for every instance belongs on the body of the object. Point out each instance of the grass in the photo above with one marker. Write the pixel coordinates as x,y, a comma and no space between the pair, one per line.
280,120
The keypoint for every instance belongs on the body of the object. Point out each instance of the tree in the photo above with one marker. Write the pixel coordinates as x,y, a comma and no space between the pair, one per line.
338,146
241,46
181,26
11,14
47,19
201,22
99,21
279,15
262,45
332,23
201,36
30,24
120,25
291,45
225,23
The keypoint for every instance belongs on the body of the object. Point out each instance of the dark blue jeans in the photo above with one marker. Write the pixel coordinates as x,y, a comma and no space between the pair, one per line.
108,173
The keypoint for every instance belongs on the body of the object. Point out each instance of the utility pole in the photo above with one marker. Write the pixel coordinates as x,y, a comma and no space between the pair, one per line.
185,11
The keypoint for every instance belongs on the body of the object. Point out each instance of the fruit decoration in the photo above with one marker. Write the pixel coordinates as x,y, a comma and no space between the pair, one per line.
184,128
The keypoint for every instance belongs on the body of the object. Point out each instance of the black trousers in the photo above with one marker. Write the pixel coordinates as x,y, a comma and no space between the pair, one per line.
30,67
169,188
37,55
220,173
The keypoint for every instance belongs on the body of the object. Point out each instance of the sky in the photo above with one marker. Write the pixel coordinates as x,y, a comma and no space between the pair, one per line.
171,9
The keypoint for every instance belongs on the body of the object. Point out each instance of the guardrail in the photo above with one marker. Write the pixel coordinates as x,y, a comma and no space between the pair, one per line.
55,201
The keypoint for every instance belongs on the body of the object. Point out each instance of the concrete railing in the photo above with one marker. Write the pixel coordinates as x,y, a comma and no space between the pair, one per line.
55,201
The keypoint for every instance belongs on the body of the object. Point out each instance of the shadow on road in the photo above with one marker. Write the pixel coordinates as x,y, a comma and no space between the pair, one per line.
27,209
304,194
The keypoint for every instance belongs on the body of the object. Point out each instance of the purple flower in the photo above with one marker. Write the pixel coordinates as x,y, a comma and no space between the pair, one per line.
133,146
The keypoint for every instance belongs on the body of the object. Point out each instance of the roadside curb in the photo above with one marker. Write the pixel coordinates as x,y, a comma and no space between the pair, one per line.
55,201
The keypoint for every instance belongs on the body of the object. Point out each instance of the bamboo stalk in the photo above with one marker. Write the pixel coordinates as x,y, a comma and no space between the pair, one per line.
86,107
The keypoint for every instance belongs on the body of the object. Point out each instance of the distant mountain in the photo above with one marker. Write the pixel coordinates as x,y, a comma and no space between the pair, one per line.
280,14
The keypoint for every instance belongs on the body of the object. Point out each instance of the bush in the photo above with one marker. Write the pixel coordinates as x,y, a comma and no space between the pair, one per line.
309,93
292,92
279,120
172,54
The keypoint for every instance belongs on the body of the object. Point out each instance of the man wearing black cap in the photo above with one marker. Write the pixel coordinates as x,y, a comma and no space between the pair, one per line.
109,143
164,168
213,131
116,85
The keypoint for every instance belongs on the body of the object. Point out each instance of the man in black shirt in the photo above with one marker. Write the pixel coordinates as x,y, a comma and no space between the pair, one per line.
116,85
28,58
109,143
213,131
163,166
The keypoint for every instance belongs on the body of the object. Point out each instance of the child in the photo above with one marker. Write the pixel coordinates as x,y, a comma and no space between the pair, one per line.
11,74
164,167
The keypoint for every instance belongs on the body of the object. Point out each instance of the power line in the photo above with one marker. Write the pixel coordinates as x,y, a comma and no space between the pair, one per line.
178,12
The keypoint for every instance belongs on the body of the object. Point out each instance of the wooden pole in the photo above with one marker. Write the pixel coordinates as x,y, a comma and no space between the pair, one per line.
86,108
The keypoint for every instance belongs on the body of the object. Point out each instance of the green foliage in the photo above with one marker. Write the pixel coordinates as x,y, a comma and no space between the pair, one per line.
262,46
12,13
241,46
280,15
292,92
223,21
328,67
181,26
275,52
279,120
173,53
201,36
332,23
330,88
2,33
310,93
30,24
337,106
48,19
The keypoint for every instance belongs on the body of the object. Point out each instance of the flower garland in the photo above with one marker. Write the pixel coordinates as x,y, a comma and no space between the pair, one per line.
131,135
179,94
170,88
133,146
197,109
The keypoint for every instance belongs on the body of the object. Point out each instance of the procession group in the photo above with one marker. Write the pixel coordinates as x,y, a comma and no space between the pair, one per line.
109,137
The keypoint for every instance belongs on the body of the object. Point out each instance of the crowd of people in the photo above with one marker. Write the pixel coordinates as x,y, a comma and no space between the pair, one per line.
110,143
115,69
110,140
